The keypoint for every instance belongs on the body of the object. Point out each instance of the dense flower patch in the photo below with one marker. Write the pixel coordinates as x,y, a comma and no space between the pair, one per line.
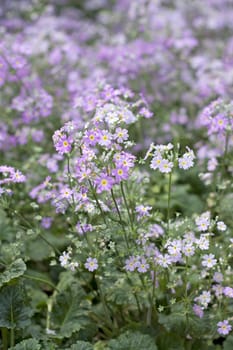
116,135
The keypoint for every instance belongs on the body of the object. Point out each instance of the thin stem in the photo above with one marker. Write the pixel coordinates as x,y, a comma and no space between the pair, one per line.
4,332
41,280
12,331
126,204
169,201
121,222
50,244
97,201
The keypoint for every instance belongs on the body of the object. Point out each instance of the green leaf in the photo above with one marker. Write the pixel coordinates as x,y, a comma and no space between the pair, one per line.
13,311
228,343
81,345
16,269
29,344
132,341
69,312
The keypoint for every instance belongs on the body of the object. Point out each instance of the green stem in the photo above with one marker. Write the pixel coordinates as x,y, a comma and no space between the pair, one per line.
126,204
41,280
12,331
121,222
97,201
106,309
169,201
50,244
4,332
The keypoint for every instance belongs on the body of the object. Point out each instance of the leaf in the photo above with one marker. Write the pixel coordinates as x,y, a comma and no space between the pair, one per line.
16,269
28,344
132,341
81,345
69,312
13,311
228,343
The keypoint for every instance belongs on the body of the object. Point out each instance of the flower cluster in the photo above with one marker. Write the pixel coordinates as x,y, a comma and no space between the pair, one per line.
164,158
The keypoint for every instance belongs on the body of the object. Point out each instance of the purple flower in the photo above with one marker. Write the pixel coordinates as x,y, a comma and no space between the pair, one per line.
104,183
46,222
142,265
64,145
197,309
120,173
224,327
131,264
91,264
143,210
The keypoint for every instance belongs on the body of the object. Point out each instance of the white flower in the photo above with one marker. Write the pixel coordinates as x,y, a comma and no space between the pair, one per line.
221,226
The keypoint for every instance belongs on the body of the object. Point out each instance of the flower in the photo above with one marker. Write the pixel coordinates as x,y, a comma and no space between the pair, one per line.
209,261
91,264
224,327
197,309
142,265
165,166
104,183
64,259
221,226
131,263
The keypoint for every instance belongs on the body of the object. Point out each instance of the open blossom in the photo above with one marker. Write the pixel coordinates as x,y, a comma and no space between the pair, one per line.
221,226
132,263
64,259
63,145
142,265
203,221
120,173
104,182
209,261
224,327
197,309
228,292
143,210
204,298
91,264
165,166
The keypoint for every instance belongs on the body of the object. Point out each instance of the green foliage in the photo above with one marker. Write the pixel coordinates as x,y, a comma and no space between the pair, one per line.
81,345
132,341
228,343
70,310
16,269
28,344
14,313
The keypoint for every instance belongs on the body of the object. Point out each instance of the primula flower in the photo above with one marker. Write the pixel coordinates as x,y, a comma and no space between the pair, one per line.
228,292
131,263
142,265
221,226
120,173
203,221
165,166
142,210
209,261
64,145
104,183
224,327
197,309
91,264
204,299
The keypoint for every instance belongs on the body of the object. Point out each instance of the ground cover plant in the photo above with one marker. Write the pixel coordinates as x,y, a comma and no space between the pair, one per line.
116,164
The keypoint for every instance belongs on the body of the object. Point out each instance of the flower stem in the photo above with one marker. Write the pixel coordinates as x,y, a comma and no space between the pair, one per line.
121,221
126,204
97,201
169,201
4,332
